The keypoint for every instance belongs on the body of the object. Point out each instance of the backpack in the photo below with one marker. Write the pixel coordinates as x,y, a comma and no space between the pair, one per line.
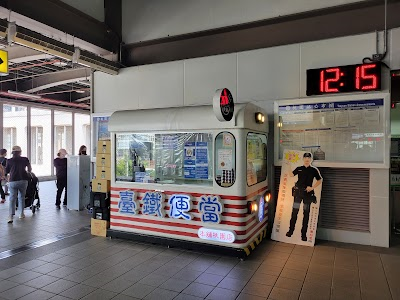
2,169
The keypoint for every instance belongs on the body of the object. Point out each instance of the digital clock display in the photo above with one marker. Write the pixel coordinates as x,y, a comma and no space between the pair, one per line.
344,79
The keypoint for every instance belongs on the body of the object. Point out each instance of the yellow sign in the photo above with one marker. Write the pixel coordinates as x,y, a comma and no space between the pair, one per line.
3,62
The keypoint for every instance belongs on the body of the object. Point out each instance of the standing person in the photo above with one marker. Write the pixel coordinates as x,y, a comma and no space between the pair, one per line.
82,150
3,177
16,168
60,163
304,191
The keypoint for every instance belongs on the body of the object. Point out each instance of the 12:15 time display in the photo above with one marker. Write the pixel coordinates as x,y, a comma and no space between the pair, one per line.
344,79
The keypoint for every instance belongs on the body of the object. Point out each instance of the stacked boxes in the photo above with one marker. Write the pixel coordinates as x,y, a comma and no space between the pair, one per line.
100,195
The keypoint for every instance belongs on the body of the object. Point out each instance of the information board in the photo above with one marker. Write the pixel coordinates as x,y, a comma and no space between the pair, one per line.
350,131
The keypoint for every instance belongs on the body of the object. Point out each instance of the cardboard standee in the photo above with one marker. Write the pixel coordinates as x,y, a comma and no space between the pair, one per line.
295,204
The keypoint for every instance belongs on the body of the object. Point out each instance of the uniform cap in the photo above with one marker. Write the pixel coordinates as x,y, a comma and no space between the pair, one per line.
16,149
307,154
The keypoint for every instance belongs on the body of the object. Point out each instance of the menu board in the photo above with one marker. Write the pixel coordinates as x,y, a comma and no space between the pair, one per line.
351,131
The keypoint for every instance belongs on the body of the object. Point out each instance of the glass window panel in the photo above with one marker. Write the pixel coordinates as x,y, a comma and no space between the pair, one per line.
41,159
14,127
82,132
256,158
63,131
182,158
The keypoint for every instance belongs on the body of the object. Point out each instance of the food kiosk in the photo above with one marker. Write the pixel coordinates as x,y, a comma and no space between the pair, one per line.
180,176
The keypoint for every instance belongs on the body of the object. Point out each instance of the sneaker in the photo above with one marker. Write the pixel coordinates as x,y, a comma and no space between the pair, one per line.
10,219
22,216
64,204
304,238
289,233
3,200
58,206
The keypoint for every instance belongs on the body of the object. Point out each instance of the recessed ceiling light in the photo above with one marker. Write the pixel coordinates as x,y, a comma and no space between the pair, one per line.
60,64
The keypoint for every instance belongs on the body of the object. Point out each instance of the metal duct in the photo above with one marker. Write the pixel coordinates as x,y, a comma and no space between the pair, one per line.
37,41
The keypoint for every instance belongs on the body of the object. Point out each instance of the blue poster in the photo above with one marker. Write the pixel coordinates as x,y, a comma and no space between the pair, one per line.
196,160
201,160
189,168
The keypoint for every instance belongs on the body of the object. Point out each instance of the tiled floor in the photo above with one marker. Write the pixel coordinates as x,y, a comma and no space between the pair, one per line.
84,267
47,222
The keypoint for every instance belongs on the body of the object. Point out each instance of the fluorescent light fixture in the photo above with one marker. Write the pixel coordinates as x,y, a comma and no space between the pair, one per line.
26,95
60,64
80,91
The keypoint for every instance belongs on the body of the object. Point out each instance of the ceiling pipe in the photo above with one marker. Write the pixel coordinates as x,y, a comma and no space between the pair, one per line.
47,101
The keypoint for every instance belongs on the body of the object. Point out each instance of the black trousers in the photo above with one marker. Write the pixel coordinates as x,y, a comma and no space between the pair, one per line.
3,195
61,185
306,214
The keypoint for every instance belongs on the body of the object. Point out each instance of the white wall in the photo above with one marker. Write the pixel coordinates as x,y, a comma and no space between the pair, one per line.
261,76
147,20
93,8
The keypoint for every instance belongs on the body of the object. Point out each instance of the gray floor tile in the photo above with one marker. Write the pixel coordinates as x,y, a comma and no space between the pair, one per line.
117,285
160,293
58,297
17,292
100,294
62,272
59,286
153,280
232,284
6,285
198,290
187,274
24,277
124,297
5,274
187,297
278,293
244,296
175,284
78,291
47,268
257,289
32,264
36,295
41,281
139,290
218,294
209,279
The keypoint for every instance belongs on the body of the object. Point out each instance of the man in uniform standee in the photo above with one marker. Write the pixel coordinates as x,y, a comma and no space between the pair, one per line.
304,191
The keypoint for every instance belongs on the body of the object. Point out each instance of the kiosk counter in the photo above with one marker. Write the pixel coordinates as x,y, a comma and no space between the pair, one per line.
181,177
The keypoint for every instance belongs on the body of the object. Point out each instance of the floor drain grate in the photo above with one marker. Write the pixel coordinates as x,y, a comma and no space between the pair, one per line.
41,243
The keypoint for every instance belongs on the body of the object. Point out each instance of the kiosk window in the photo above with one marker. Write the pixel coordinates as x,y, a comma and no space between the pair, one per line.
256,158
225,159
181,158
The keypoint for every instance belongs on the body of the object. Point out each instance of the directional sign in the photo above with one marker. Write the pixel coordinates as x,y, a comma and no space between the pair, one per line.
3,62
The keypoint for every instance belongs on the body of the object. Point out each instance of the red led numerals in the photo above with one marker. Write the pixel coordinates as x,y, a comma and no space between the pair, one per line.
362,76
325,84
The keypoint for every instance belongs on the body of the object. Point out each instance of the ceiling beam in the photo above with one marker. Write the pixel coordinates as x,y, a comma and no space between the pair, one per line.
39,83
65,18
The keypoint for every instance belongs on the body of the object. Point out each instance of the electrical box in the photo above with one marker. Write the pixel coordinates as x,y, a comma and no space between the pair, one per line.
78,181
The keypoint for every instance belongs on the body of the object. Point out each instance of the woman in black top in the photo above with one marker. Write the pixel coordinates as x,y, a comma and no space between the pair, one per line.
3,178
16,168
82,150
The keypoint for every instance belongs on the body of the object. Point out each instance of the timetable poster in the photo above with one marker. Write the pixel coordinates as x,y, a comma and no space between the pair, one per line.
343,131
296,215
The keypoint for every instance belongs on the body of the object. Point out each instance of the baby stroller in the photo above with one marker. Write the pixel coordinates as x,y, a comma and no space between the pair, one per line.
32,199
